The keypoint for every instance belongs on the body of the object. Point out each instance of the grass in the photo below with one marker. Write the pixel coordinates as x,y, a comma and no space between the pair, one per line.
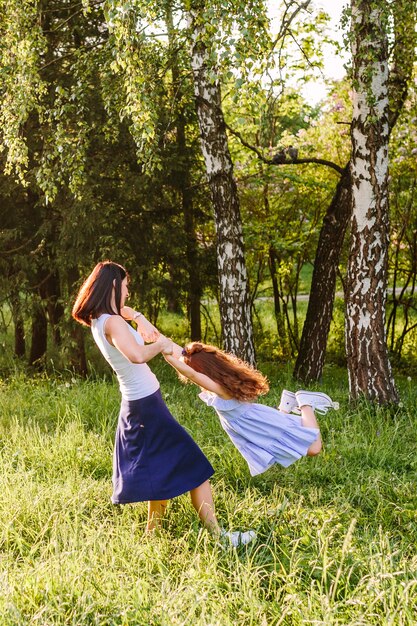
336,533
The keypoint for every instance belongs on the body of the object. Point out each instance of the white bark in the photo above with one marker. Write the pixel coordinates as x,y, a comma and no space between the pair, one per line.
368,364
234,297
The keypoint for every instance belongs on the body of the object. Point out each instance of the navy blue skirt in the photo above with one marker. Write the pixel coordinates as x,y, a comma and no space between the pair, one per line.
154,457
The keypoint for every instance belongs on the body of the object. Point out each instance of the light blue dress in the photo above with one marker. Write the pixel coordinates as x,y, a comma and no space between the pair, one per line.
263,435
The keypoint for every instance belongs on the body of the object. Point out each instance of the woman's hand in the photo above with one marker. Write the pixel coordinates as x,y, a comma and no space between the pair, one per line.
146,329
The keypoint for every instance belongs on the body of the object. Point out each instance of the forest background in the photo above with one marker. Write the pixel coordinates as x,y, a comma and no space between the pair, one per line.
103,121
180,139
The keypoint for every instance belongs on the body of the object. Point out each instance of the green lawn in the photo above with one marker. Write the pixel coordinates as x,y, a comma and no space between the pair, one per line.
337,534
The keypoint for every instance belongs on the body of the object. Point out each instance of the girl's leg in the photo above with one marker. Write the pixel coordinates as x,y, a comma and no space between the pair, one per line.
156,510
308,418
202,500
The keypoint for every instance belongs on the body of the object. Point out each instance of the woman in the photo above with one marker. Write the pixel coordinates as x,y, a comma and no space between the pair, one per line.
155,459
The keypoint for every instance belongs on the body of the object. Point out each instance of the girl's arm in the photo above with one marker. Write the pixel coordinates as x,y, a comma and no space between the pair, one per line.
145,328
176,350
118,334
199,379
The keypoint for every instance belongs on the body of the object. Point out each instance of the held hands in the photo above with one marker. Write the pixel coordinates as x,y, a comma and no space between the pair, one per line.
150,333
176,351
147,330
166,345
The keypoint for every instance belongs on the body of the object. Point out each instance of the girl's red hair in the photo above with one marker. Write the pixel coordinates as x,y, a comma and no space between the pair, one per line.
240,379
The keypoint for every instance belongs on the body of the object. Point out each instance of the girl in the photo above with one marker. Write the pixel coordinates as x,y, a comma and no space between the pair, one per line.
155,459
263,435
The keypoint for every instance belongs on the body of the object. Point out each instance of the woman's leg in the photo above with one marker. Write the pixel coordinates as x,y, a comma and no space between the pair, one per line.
156,511
202,500
308,418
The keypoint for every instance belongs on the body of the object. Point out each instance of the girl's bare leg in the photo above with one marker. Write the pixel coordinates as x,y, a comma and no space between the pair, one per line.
202,500
156,511
308,418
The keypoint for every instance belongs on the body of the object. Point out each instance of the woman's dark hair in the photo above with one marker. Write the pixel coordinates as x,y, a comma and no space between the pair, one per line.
95,295
241,380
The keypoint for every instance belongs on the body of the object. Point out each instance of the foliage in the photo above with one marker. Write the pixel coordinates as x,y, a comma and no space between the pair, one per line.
89,197
403,250
93,95
283,206
22,88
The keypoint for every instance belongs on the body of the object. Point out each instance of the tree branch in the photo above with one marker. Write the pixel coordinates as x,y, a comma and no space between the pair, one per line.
71,53
297,161
404,55
287,22
21,246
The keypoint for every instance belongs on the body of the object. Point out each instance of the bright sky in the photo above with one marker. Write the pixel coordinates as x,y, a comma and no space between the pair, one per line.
333,64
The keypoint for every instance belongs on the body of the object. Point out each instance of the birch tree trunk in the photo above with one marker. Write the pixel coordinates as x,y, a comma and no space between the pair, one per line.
366,348
234,295
311,356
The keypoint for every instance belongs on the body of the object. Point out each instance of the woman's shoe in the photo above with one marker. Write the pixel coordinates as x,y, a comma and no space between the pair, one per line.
238,538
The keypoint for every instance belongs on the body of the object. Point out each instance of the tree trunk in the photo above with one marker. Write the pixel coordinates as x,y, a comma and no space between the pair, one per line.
19,327
171,289
279,316
234,293
39,335
195,290
77,356
310,361
312,352
54,306
39,342
19,337
366,348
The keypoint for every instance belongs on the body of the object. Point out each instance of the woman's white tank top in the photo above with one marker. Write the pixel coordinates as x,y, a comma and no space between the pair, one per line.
136,380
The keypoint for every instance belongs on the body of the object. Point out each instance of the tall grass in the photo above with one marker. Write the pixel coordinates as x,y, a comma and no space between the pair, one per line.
337,534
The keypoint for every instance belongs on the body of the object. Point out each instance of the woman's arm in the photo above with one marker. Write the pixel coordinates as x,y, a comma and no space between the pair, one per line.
199,379
118,334
145,328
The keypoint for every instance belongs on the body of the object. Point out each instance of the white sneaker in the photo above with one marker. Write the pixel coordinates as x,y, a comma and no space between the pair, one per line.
288,402
318,401
238,538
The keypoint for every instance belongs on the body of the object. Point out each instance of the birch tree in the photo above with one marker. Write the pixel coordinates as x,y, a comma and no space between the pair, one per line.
366,348
234,294
311,357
